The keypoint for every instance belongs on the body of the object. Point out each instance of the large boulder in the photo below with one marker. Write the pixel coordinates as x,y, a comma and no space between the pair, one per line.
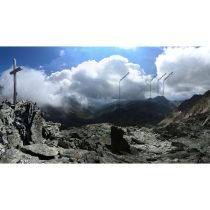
118,143
40,150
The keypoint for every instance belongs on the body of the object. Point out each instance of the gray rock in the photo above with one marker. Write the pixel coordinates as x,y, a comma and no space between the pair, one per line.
79,156
15,156
50,130
24,124
14,138
41,150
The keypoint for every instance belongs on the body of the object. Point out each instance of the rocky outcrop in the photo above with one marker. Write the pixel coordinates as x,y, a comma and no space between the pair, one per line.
24,124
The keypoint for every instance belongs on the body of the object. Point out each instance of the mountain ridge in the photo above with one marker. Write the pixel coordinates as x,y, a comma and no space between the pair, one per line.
131,112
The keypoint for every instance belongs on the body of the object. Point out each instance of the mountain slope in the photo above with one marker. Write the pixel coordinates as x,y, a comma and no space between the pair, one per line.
143,112
194,110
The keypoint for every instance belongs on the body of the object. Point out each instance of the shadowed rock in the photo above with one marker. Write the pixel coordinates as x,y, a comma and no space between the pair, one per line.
118,143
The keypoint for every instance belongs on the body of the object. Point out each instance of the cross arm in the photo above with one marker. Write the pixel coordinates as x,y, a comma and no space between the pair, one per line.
16,70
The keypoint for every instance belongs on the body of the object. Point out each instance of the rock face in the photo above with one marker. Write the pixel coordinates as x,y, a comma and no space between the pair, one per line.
24,124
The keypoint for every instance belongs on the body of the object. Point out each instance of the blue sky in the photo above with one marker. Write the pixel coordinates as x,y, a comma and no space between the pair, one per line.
57,58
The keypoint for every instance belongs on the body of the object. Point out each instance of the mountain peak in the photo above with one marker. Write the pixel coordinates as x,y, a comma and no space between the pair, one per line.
159,99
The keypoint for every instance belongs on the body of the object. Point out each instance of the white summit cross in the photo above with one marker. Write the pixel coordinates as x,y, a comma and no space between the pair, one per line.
14,71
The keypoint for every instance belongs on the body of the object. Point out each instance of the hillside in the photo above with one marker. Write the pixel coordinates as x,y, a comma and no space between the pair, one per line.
194,110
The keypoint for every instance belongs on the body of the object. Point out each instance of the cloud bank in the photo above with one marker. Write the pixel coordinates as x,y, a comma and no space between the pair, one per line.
89,82
191,67
96,83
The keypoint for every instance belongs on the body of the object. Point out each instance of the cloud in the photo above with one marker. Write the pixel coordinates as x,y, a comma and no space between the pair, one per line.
100,80
191,67
97,82
31,85
89,82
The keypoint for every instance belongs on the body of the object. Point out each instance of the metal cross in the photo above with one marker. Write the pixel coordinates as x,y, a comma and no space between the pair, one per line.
14,71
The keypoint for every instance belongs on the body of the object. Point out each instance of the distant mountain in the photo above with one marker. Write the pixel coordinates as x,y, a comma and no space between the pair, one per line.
149,111
73,115
187,104
139,112
200,106
194,110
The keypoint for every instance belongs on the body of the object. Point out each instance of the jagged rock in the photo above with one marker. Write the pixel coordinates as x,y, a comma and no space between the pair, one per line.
8,133
69,142
2,149
52,143
80,156
16,156
40,150
179,146
23,124
51,130
95,137
118,143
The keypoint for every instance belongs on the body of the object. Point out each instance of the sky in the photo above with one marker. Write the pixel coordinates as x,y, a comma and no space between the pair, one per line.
56,58
91,75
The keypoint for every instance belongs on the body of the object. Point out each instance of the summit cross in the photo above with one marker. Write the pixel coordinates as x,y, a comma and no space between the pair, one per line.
13,72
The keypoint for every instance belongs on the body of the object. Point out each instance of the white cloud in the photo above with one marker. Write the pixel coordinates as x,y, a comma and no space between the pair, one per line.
31,85
191,67
90,81
99,80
